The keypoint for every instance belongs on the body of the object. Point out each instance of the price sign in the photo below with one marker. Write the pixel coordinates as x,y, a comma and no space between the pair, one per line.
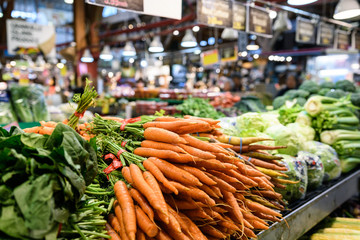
342,38
214,13
135,5
259,22
210,57
305,31
325,34
239,16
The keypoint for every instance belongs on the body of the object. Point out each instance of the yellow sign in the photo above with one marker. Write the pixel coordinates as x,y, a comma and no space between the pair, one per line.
210,57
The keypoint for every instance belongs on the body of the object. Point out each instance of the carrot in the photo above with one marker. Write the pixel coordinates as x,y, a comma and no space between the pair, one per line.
224,177
119,216
151,167
116,119
161,146
50,124
145,223
263,156
173,126
197,127
209,230
249,148
150,179
32,130
182,204
231,200
228,223
144,204
140,235
142,186
162,135
256,207
167,119
205,146
208,120
267,165
244,141
277,205
284,181
194,193
174,234
197,173
217,191
152,152
46,130
211,164
183,225
258,225
249,216
195,232
249,171
163,236
175,173
278,185
112,232
267,194
127,206
212,213
197,214
222,184
272,173
217,209
223,145
261,183
206,135
114,222
197,152
267,217
249,233
239,196
208,191
126,174
245,180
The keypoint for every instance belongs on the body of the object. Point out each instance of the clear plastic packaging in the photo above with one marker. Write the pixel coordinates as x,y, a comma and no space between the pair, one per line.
315,169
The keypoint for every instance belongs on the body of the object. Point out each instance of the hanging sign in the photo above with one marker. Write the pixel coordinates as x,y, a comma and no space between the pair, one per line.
229,54
342,40
239,16
210,57
259,22
24,38
325,34
242,41
214,13
305,31
162,8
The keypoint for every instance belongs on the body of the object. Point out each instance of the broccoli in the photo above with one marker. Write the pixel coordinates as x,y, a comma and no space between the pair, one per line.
337,93
292,94
345,85
324,91
310,86
355,99
301,101
279,101
330,85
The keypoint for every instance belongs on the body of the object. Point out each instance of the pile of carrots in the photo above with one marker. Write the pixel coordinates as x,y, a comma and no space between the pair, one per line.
192,189
44,128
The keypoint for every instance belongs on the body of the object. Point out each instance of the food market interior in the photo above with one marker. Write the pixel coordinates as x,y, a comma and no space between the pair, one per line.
179,119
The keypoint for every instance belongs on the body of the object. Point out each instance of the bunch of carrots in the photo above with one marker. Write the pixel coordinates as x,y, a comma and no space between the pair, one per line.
191,189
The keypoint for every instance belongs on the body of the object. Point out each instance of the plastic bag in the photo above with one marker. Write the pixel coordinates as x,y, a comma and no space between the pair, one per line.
20,103
315,169
36,98
297,171
328,157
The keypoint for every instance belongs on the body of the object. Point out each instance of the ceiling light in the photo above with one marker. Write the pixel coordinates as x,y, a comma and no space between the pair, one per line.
189,39
156,45
300,2
347,9
197,51
60,65
211,41
196,28
143,63
87,56
271,58
256,56
129,50
176,32
203,43
106,54
272,14
244,54
13,63
229,33
288,59
282,59
69,1
131,60
252,46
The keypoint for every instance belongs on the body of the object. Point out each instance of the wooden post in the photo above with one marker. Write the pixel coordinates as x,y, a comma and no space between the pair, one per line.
80,35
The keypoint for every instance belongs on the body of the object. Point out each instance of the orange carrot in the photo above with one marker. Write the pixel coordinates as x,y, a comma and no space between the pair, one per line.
209,230
144,204
249,233
161,146
150,166
140,235
195,193
211,164
231,200
208,191
197,152
174,234
163,236
32,130
111,232
151,181
205,146
229,224
167,119
182,204
182,223
245,180
197,173
267,165
162,135
119,216
257,207
170,126
142,186
217,191
222,184
223,145
127,206
212,213
197,214
258,225
267,217
145,223
126,174
46,130
50,124
208,120
114,222
223,176
195,232
267,194
175,173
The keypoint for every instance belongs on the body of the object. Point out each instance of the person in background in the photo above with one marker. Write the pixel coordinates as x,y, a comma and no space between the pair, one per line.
291,82
236,79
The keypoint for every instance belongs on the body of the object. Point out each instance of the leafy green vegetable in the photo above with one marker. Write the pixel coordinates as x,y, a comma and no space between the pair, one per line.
345,85
297,93
6,113
20,103
331,137
199,107
315,169
36,99
279,102
304,118
297,171
310,86
355,99
300,101
289,114
324,91
42,178
256,121
250,104
336,93
327,84
306,132
284,136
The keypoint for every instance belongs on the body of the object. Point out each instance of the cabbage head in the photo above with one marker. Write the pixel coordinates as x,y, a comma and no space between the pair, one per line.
307,133
285,136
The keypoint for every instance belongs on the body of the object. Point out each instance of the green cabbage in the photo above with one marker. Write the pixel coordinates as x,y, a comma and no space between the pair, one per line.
328,156
297,171
257,121
306,132
315,169
284,136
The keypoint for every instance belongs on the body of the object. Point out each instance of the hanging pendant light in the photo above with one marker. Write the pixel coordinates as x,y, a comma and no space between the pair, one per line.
87,56
188,40
229,33
156,45
69,1
252,46
300,2
129,50
106,54
347,9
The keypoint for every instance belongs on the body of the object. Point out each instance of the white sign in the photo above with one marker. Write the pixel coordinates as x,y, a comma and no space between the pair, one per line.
22,34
